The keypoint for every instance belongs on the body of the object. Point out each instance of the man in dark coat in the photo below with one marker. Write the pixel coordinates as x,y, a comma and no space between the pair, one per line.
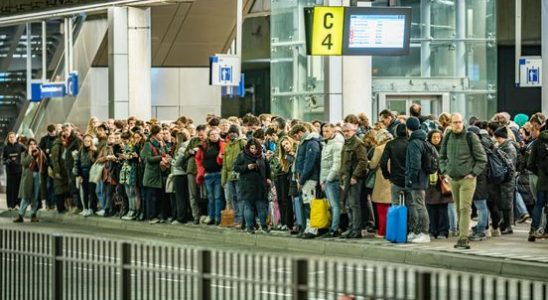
416,181
71,145
60,179
481,193
506,190
46,182
395,152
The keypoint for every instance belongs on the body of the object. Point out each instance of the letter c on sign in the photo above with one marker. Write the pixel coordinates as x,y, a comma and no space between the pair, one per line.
327,24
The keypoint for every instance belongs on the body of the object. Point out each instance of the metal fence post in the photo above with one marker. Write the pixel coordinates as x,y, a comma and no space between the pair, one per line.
56,267
204,270
422,285
124,263
299,271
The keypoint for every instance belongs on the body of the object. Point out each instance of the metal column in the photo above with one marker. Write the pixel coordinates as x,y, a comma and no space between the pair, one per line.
29,61
426,16
44,52
460,59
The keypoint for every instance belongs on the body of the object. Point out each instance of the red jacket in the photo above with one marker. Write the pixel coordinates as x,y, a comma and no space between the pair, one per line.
200,160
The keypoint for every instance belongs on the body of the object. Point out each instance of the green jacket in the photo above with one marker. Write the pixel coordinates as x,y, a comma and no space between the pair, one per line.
26,187
232,149
353,160
189,155
152,177
69,153
458,158
60,181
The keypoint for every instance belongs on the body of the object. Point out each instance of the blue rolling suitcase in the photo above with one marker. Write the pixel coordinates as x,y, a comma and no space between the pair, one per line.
396,222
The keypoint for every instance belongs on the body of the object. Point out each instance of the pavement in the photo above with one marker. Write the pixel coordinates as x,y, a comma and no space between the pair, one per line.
507,256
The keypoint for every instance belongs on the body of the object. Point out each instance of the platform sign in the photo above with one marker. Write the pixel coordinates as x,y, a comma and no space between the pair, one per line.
327,30
36,91
530,70
53,90
224,70
72,84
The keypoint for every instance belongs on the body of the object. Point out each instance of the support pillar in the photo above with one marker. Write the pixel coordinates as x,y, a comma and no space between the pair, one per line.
426,16
129,62
544,75
333,78
357,81
460,59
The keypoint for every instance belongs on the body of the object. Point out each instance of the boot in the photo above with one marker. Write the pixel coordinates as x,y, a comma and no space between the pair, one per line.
19,219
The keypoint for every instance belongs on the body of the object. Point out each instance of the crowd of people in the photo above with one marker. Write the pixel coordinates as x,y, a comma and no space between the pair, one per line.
268,170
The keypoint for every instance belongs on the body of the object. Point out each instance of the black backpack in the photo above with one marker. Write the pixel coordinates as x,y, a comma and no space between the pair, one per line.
430,158
542,157
499,166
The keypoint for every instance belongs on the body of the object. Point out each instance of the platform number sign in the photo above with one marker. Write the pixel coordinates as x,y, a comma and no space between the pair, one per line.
327,30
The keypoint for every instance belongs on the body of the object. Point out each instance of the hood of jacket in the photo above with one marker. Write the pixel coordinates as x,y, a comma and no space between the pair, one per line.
338,138
418,134
312,135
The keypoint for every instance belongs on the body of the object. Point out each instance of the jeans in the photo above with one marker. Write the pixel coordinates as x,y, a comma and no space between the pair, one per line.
101,196
538,209
299,212
232,193
483,215
453,220
214,195
193,194
520,208
395,193
418,215
35,200
439,219
463,192
333,193
131,196
284,200
353,202
152,197
50,201
252,205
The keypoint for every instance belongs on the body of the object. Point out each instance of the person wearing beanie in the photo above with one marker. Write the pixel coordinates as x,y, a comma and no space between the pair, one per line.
504,196
463,159
416,182
229,180
521,119
395,152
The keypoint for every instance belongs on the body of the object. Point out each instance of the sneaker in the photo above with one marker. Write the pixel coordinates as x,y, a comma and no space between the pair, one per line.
207,220
249,231
507,230
308,236
263,229
175,222
154,221
476,237
454,233
462,244
19,219
524,218
352,235
196,221
421,238
34,219
101,213
411,236
331,234
83,212
127,217
495,232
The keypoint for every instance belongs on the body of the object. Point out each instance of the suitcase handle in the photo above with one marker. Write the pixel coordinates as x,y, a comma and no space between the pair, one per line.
402,198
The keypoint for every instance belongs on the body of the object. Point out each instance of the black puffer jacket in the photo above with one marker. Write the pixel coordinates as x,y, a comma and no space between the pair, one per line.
253,185
11,157
395,152
482,191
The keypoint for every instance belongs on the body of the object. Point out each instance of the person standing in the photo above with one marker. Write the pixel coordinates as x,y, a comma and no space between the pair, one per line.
352,172
46,183
60,180
191,170
329,174
395,153
229,178
12,159
83,163
34,162
71,145
416,181
380,196
153,155
505,199
537,163
462,158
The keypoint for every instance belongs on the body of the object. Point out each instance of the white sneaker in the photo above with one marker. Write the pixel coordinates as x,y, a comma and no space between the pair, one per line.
411,237
421,238
101,213
83,212
175,222
207,220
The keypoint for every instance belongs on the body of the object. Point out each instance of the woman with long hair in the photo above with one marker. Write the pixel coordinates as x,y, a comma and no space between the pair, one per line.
84,161
11,158
34,164
284,159
381,193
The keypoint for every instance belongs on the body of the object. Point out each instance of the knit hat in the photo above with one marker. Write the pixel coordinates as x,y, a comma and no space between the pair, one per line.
233,129
413,123
521,119
474,129
501,132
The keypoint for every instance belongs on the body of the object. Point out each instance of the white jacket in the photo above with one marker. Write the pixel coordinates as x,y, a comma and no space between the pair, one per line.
331,158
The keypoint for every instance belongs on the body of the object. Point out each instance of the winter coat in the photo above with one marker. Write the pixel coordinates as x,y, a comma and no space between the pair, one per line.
415,175
381,189
353,161
507,189
46,142
392,126
482,186
60,180
84,161
200,160
26,189
331,158
534,160
13,151
190,155
232,150
393,160
70,151
253,185
152,158
307,164
178,159
456,161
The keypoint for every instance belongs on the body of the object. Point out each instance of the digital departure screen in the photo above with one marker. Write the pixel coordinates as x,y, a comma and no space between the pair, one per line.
377,31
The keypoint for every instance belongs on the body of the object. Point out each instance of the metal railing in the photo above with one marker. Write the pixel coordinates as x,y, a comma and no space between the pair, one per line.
43,266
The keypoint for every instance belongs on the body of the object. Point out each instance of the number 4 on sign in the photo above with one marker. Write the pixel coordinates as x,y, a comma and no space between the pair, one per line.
327,42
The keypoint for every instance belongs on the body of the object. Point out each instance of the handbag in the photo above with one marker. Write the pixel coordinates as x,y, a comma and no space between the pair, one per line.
320,216
227,218
370,180
445,186
96,173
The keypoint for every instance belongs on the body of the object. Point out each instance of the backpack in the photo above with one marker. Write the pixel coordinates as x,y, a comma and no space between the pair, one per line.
430,158
542,157
428,125
499,166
